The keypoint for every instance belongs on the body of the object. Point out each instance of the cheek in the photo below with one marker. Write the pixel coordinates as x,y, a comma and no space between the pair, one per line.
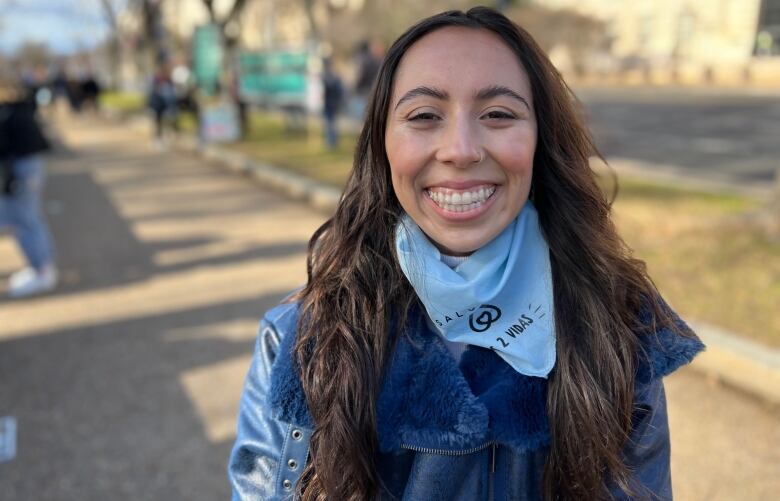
406,161
516,156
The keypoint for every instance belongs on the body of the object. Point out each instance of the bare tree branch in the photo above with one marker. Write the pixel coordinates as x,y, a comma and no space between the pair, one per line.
109,12
314,28
235,11
209,4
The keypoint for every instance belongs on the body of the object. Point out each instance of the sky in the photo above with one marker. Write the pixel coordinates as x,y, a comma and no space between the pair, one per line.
64,25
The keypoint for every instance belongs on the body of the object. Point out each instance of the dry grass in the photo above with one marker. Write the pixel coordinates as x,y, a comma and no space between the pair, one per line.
707,254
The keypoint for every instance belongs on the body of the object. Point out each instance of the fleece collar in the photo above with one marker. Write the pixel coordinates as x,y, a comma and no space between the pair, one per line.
429,401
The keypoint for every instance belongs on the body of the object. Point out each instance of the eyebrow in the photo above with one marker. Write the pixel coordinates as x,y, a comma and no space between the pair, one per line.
500,90
422,91
481,95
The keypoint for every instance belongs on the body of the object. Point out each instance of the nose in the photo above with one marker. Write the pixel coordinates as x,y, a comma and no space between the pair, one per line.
459,144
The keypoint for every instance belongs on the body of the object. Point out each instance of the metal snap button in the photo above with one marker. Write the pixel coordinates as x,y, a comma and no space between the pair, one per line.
297,434
293,464
287,484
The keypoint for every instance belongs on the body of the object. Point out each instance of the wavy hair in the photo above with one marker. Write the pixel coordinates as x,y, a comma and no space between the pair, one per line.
356,299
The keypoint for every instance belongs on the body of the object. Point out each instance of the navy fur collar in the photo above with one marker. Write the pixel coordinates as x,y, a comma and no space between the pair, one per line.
428,401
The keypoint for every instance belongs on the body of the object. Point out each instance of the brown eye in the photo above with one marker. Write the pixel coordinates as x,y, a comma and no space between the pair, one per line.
499,115
423,117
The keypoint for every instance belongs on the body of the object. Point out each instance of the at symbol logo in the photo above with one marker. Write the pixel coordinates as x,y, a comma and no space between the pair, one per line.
484,317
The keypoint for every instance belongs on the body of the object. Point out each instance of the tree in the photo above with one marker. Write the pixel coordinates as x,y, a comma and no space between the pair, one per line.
227,24
154,28
34,54
382,20
580,35
111,9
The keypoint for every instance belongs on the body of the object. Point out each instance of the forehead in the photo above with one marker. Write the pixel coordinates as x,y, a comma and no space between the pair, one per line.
458,59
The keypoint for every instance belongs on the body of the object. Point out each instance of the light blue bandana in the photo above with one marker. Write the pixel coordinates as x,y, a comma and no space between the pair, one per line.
499,298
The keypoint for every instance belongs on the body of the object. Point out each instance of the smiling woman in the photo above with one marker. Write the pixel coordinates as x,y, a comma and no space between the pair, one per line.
461,137
472,327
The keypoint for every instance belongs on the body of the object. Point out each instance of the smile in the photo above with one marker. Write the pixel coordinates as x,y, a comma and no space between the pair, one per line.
460,200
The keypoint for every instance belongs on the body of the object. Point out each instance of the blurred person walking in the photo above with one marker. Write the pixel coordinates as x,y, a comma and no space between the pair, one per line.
90,92
333,90
23,175
162,101
369,58
185,88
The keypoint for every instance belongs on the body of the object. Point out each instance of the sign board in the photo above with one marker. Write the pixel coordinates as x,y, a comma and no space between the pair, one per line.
219,122
278,78
207,57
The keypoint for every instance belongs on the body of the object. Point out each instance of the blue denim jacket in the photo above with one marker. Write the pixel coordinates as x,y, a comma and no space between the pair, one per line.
476,430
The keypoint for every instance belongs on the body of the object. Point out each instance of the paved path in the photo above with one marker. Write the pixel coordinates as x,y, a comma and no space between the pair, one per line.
125,382
716,136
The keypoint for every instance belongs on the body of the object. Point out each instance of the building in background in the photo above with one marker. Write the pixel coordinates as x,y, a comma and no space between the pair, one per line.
721,42
683,41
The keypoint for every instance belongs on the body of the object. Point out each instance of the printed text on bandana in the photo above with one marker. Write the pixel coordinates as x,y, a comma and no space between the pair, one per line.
483,318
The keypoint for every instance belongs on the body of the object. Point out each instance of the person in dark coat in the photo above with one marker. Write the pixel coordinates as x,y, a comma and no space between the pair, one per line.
162,100
333,97
22,143
90,91
368,58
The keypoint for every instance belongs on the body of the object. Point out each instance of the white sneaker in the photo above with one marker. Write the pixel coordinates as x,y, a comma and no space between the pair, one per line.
28,281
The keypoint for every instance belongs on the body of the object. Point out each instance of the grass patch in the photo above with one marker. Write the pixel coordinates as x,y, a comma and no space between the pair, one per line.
707,254
666,193
270,140
124,102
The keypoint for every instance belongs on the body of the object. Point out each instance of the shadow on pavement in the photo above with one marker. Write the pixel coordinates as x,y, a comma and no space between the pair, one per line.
96,245
102,412
140,403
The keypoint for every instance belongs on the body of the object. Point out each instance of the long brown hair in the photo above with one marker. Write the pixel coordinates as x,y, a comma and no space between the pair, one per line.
357,297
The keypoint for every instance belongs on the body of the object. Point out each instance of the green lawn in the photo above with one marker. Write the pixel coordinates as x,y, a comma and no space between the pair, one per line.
124,102
706,252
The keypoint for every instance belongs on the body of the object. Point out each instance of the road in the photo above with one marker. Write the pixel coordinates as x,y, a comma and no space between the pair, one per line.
125,382
719,136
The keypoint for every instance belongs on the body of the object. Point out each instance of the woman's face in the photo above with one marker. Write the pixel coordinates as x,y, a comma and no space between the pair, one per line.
460,137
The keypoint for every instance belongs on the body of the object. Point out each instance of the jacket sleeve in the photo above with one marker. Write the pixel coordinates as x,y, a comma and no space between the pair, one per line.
647,454
269,454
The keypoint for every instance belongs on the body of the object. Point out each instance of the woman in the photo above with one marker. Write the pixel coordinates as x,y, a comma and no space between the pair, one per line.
472,326
23,174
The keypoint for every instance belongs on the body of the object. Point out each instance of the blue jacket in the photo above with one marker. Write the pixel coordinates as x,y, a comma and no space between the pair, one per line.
476,430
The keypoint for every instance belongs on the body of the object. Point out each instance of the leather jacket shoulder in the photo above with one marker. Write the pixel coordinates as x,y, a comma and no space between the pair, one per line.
435,417
269,453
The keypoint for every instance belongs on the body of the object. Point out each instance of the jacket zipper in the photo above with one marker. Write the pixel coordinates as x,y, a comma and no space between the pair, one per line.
445,452
492,474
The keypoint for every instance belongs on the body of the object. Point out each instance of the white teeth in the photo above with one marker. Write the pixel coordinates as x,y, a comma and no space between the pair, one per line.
461,201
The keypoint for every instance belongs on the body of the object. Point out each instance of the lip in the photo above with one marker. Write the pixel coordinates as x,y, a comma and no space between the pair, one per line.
462,216
461,185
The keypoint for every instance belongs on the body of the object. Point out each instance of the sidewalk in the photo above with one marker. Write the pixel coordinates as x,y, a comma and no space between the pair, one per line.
730,358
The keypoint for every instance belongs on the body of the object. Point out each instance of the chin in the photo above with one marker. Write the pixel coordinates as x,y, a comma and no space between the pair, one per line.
458,246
